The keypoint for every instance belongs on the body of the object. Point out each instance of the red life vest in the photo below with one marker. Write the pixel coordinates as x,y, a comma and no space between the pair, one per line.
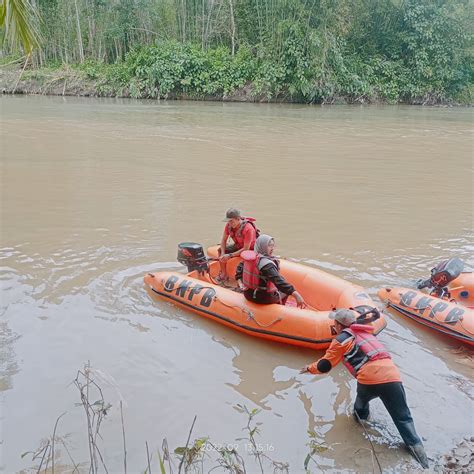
251,277
366,348
237,234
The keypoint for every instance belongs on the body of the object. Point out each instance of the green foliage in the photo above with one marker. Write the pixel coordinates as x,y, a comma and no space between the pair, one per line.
418,49
10,59
314,51
191,455
434,43
19,25
316,446
162,463
170,67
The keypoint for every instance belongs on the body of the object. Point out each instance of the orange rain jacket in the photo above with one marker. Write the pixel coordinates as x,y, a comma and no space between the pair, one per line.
371,373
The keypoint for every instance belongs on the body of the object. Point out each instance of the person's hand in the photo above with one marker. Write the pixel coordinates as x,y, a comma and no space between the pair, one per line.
304,370
300,303
225,257
241,285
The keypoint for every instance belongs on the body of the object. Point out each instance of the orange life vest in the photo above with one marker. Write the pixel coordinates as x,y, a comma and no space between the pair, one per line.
251,277
237,234
366,348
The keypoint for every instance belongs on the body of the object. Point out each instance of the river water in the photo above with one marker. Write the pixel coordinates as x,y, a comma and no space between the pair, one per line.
97,192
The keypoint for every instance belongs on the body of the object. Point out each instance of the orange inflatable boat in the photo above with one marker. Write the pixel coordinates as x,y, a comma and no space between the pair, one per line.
197,291
448,307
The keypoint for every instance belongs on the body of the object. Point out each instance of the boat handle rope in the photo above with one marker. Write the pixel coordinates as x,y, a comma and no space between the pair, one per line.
248,312
251,317
464,327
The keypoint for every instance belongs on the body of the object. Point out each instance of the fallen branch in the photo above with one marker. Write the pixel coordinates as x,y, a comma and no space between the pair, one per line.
21,73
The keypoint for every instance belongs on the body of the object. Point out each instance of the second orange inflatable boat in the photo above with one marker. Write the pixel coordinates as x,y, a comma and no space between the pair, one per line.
452,315
310,327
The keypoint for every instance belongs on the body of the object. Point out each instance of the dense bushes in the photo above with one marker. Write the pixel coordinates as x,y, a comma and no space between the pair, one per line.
170,68
416,51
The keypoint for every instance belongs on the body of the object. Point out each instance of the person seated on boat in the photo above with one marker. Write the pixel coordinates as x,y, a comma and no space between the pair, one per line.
259,275
242,231
376,374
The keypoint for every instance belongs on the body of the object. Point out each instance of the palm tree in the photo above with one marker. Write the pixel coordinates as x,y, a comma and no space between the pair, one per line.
19,22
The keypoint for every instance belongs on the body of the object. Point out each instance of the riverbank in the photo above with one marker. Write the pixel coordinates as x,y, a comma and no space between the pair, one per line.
116,81
72,81
290,51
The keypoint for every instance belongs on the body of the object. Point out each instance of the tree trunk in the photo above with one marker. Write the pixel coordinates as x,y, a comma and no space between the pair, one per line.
79,34
232,26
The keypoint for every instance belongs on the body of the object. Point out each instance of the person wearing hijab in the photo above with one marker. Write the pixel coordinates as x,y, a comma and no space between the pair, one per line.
259,275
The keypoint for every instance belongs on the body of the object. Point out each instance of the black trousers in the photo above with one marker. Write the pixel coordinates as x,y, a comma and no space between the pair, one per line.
229,249
263,297
393,397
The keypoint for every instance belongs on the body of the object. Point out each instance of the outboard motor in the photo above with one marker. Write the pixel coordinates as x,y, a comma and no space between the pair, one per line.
192,255
441,275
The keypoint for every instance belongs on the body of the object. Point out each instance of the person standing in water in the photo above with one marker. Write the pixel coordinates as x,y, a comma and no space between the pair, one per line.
259,275
377,376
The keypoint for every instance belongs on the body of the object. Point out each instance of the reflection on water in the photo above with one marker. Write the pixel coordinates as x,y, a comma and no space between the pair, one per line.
95,193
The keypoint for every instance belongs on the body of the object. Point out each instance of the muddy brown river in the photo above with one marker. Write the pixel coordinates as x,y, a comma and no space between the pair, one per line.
95,193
